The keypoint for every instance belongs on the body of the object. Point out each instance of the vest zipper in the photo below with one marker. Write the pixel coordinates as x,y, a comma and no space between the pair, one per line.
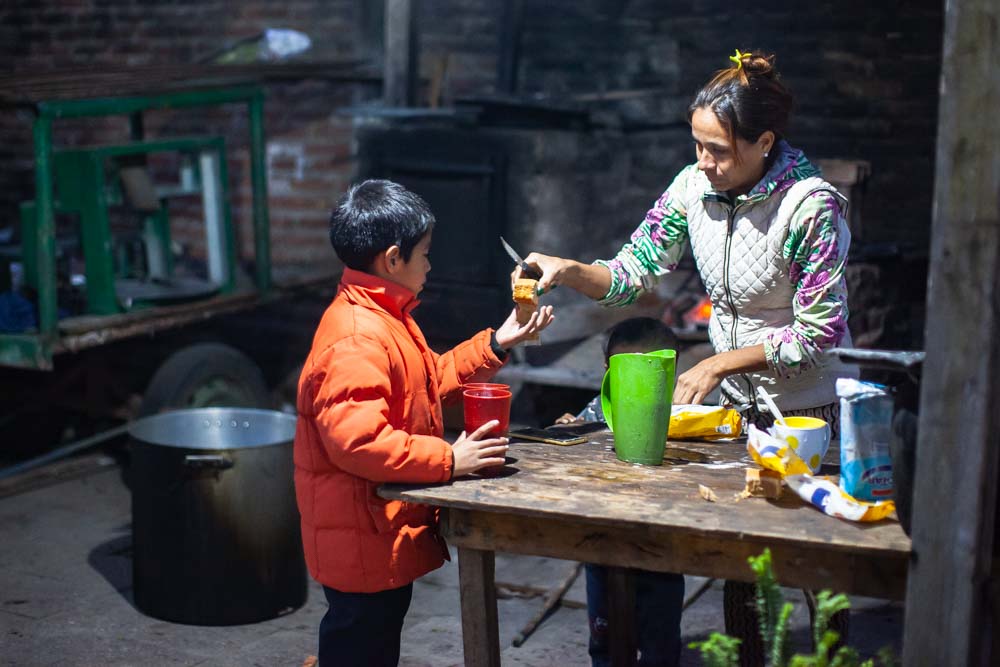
731,222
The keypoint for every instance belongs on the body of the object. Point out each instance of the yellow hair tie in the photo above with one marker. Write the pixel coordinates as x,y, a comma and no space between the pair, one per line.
738,58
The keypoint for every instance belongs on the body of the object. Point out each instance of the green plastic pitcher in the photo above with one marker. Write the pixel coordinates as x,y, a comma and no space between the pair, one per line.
636,397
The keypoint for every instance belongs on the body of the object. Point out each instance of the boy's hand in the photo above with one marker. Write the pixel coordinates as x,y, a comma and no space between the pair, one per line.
567,418
472,452
510,333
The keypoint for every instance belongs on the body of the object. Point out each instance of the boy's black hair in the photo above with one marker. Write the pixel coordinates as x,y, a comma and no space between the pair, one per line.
373,216
645,332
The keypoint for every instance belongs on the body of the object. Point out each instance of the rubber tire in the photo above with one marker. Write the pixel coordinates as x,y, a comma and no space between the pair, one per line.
176,382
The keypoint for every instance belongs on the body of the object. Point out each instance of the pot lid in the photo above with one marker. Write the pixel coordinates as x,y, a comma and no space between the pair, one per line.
215,428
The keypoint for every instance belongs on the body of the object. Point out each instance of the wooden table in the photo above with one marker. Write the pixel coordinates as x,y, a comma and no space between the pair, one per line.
581,503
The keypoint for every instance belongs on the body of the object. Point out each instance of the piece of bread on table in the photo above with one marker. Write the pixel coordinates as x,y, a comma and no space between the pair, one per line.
526,300
762,483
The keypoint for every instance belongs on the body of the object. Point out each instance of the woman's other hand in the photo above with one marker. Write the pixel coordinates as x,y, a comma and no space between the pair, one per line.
697,382
476,450
510,333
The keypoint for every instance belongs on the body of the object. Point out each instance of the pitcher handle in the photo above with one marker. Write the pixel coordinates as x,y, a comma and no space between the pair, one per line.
606,399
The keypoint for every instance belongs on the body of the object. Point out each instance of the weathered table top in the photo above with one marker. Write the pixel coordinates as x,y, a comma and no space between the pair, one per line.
582,502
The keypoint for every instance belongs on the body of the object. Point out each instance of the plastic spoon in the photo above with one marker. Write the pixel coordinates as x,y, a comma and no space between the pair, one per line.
771,406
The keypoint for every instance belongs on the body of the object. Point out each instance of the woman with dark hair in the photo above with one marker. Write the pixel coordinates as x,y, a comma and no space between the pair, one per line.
770,239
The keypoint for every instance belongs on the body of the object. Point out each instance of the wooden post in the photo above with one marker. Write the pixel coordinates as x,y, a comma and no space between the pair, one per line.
480,633
949,611
369,26
509,51
400,78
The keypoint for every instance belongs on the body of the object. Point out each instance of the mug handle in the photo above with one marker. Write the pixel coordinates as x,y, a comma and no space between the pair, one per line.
606,399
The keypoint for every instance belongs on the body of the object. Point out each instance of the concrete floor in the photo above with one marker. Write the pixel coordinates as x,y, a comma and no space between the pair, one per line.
65,597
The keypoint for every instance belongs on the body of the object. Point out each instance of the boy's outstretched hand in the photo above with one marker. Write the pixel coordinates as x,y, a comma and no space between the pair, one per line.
476,451
510,333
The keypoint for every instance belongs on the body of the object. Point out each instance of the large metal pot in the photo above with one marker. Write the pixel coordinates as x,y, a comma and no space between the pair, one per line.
215,527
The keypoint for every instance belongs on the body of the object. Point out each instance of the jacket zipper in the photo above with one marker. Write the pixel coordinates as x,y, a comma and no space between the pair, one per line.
731,222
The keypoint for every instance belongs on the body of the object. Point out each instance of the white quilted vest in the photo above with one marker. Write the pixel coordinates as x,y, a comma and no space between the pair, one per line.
738,253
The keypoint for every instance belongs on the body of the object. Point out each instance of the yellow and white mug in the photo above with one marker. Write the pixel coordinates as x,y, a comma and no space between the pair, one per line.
808,436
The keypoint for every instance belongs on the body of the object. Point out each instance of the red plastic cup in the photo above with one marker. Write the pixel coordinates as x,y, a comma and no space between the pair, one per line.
486,385
485,404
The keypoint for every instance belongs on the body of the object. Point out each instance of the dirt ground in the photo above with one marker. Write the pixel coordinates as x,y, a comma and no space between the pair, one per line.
66,596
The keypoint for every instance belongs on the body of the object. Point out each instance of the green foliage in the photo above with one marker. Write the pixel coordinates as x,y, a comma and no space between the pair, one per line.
827,604
779,645
773,613
718,650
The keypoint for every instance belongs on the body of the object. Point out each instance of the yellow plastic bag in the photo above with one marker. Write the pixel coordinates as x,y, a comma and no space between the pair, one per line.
704,422
827,496
774,454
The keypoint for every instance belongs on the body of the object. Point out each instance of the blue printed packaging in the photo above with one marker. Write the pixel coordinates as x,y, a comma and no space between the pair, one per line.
865,430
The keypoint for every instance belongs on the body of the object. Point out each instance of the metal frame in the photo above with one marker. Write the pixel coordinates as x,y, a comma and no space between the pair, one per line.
35,350
81,174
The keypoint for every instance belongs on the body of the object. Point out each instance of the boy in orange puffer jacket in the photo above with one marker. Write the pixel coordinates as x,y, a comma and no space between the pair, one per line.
369,405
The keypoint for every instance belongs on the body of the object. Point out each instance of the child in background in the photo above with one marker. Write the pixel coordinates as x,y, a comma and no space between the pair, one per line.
659,596
369,405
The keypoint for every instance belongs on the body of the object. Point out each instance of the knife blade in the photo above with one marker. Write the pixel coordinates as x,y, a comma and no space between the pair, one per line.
526,268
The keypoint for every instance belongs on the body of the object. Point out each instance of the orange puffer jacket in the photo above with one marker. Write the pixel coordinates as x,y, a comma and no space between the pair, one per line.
369,407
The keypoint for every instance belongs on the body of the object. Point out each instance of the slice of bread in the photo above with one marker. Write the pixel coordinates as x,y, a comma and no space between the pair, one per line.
526,291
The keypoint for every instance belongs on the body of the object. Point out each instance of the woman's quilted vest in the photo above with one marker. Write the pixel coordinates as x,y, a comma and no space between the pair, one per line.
738,250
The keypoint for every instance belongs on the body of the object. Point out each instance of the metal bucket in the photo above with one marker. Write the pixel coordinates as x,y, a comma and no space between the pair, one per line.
215,526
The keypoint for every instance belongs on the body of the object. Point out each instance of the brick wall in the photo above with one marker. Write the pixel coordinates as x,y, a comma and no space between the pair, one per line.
865,75
309,151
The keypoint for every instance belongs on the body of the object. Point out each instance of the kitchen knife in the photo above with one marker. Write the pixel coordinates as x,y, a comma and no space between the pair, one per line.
526,269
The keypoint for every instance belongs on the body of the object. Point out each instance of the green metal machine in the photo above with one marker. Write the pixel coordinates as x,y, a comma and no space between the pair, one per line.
85,181
90,179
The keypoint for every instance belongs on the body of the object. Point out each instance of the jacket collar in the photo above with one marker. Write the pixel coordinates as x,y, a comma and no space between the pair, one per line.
790,166
369,290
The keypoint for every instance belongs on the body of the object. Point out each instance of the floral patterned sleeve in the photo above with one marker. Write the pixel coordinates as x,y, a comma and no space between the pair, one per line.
655,248
816,253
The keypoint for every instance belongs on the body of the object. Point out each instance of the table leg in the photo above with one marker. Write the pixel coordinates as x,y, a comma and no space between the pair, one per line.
480,634
621,616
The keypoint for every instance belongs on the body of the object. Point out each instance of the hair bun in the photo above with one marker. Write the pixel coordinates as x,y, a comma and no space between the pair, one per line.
757,63
748,97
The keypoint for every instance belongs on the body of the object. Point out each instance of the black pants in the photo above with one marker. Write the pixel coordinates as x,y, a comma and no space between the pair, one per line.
363,629
659,597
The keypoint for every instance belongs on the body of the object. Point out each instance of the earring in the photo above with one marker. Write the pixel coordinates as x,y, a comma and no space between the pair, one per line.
765,154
